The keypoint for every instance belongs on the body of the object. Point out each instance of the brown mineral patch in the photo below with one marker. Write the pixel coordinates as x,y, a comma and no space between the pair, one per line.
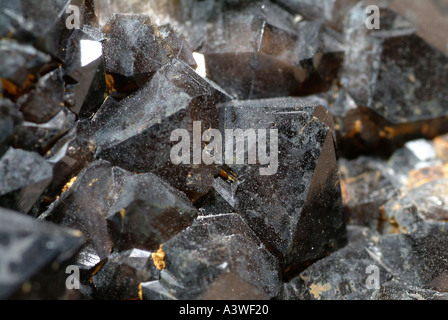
159,258
422,176
318,289
68,184
441,146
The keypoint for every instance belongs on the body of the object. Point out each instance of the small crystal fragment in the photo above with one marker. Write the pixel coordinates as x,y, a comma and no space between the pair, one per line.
148,212
34,254
24,176
122,273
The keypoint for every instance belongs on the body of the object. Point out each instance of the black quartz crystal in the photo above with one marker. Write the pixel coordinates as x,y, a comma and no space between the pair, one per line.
223,149
292,200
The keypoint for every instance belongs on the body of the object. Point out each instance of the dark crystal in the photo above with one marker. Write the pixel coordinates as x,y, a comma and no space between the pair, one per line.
331,12
85,204
256,50
365,189
85,75
10,119
19,63
41,137
398,81
218,256
33,257
425,204
148,212
121,275
135,133
342,275
135,49
46,100
297,212
24,177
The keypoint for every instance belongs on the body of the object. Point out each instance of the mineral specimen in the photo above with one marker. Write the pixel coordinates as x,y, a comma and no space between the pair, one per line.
148,212
85,75
189,17
342,275
418,271
365,189
294,163
85,203
331,12
121,275
10,119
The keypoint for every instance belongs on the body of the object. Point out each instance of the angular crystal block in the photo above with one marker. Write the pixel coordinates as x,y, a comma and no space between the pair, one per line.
291,198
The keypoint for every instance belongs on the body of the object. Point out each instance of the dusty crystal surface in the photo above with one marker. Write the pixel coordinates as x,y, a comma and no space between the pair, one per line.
296,204
305,157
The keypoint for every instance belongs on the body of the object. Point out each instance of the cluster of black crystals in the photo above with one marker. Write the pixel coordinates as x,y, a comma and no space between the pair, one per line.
90,195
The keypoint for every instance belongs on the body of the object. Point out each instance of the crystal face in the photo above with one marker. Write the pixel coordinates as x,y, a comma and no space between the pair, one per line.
288,224
257,51
236,150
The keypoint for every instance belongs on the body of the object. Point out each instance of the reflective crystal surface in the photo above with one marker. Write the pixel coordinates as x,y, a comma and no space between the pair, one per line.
148,212
134,133
25,175
120,276
236,150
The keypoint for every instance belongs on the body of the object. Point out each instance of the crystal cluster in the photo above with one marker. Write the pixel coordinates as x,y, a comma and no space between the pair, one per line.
306,157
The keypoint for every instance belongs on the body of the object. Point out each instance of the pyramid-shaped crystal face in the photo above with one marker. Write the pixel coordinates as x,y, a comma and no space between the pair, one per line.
257,51
295,206
148,212
135,49
84,67
99,183
188,17
123,211
29,18
135,133
27,249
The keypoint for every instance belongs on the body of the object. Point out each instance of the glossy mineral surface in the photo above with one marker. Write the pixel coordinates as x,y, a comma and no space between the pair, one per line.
222,149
